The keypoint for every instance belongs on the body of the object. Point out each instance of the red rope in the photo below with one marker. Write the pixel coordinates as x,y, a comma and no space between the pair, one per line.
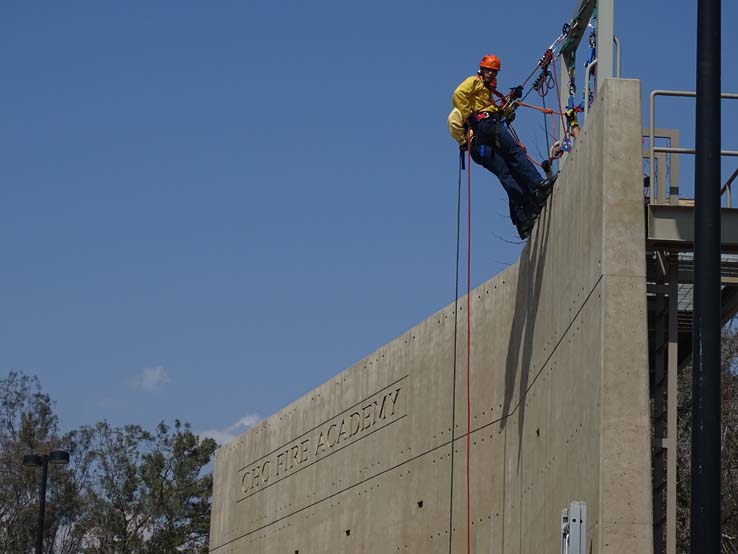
468,352
561,112
543,110
553,136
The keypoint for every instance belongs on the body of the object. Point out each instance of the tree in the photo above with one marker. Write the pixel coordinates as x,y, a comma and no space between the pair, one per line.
151,492
729,450
179,492
74,512
125,491
119,499
28,424
24,417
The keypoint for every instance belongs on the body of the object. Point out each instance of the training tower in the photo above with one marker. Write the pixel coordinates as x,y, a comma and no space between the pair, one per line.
574,355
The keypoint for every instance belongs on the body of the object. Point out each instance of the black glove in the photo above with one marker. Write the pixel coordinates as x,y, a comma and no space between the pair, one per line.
516,92
546,166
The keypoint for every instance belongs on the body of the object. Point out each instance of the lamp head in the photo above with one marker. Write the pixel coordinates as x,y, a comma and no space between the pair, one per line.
32,460
59,457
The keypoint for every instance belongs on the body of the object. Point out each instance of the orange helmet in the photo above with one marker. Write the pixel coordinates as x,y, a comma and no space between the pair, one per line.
490,61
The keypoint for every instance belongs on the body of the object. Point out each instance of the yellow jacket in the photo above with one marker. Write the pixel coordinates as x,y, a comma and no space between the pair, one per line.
471,96
456,126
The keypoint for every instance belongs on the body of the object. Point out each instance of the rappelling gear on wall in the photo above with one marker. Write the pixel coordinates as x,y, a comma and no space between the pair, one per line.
592,59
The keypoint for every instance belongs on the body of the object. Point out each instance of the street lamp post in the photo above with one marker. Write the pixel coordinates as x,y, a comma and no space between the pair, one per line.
57,457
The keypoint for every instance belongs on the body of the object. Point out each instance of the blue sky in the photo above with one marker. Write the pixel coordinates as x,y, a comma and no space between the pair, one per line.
208,209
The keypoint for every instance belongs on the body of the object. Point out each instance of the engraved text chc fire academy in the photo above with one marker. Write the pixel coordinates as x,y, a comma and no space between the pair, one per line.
375,412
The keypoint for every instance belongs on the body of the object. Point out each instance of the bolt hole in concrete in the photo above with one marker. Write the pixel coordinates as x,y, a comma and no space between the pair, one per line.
348,532
420,503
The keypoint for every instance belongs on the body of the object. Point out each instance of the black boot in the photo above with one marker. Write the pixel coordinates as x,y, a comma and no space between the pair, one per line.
546,186
543,191
524,229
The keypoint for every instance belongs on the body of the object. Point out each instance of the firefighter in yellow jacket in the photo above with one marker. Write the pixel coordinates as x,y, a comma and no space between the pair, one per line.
492,145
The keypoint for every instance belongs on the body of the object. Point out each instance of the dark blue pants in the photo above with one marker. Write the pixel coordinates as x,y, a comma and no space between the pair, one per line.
494,148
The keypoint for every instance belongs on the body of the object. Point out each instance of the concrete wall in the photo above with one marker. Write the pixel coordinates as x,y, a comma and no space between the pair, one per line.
559,399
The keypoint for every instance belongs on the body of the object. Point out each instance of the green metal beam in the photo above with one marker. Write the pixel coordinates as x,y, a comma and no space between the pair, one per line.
577,24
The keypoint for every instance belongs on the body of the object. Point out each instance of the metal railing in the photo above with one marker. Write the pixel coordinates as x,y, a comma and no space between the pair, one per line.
726,188
672,150
616,40
590,68
587,73
664,175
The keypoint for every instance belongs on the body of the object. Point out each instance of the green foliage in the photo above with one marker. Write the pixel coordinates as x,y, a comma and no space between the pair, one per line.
180,506
27,423
125,491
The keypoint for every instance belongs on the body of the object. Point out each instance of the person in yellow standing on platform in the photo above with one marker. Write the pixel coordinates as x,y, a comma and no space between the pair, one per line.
493,147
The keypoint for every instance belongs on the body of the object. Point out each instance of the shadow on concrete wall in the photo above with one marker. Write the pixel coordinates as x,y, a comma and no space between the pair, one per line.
520,345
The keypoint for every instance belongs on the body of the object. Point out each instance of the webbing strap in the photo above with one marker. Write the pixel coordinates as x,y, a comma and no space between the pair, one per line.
468,353
456,326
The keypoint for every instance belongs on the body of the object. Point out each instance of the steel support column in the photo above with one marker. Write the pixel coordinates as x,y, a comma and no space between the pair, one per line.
671,402
705,485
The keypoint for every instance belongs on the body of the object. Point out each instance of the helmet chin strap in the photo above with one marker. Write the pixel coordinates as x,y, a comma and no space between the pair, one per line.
488,84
